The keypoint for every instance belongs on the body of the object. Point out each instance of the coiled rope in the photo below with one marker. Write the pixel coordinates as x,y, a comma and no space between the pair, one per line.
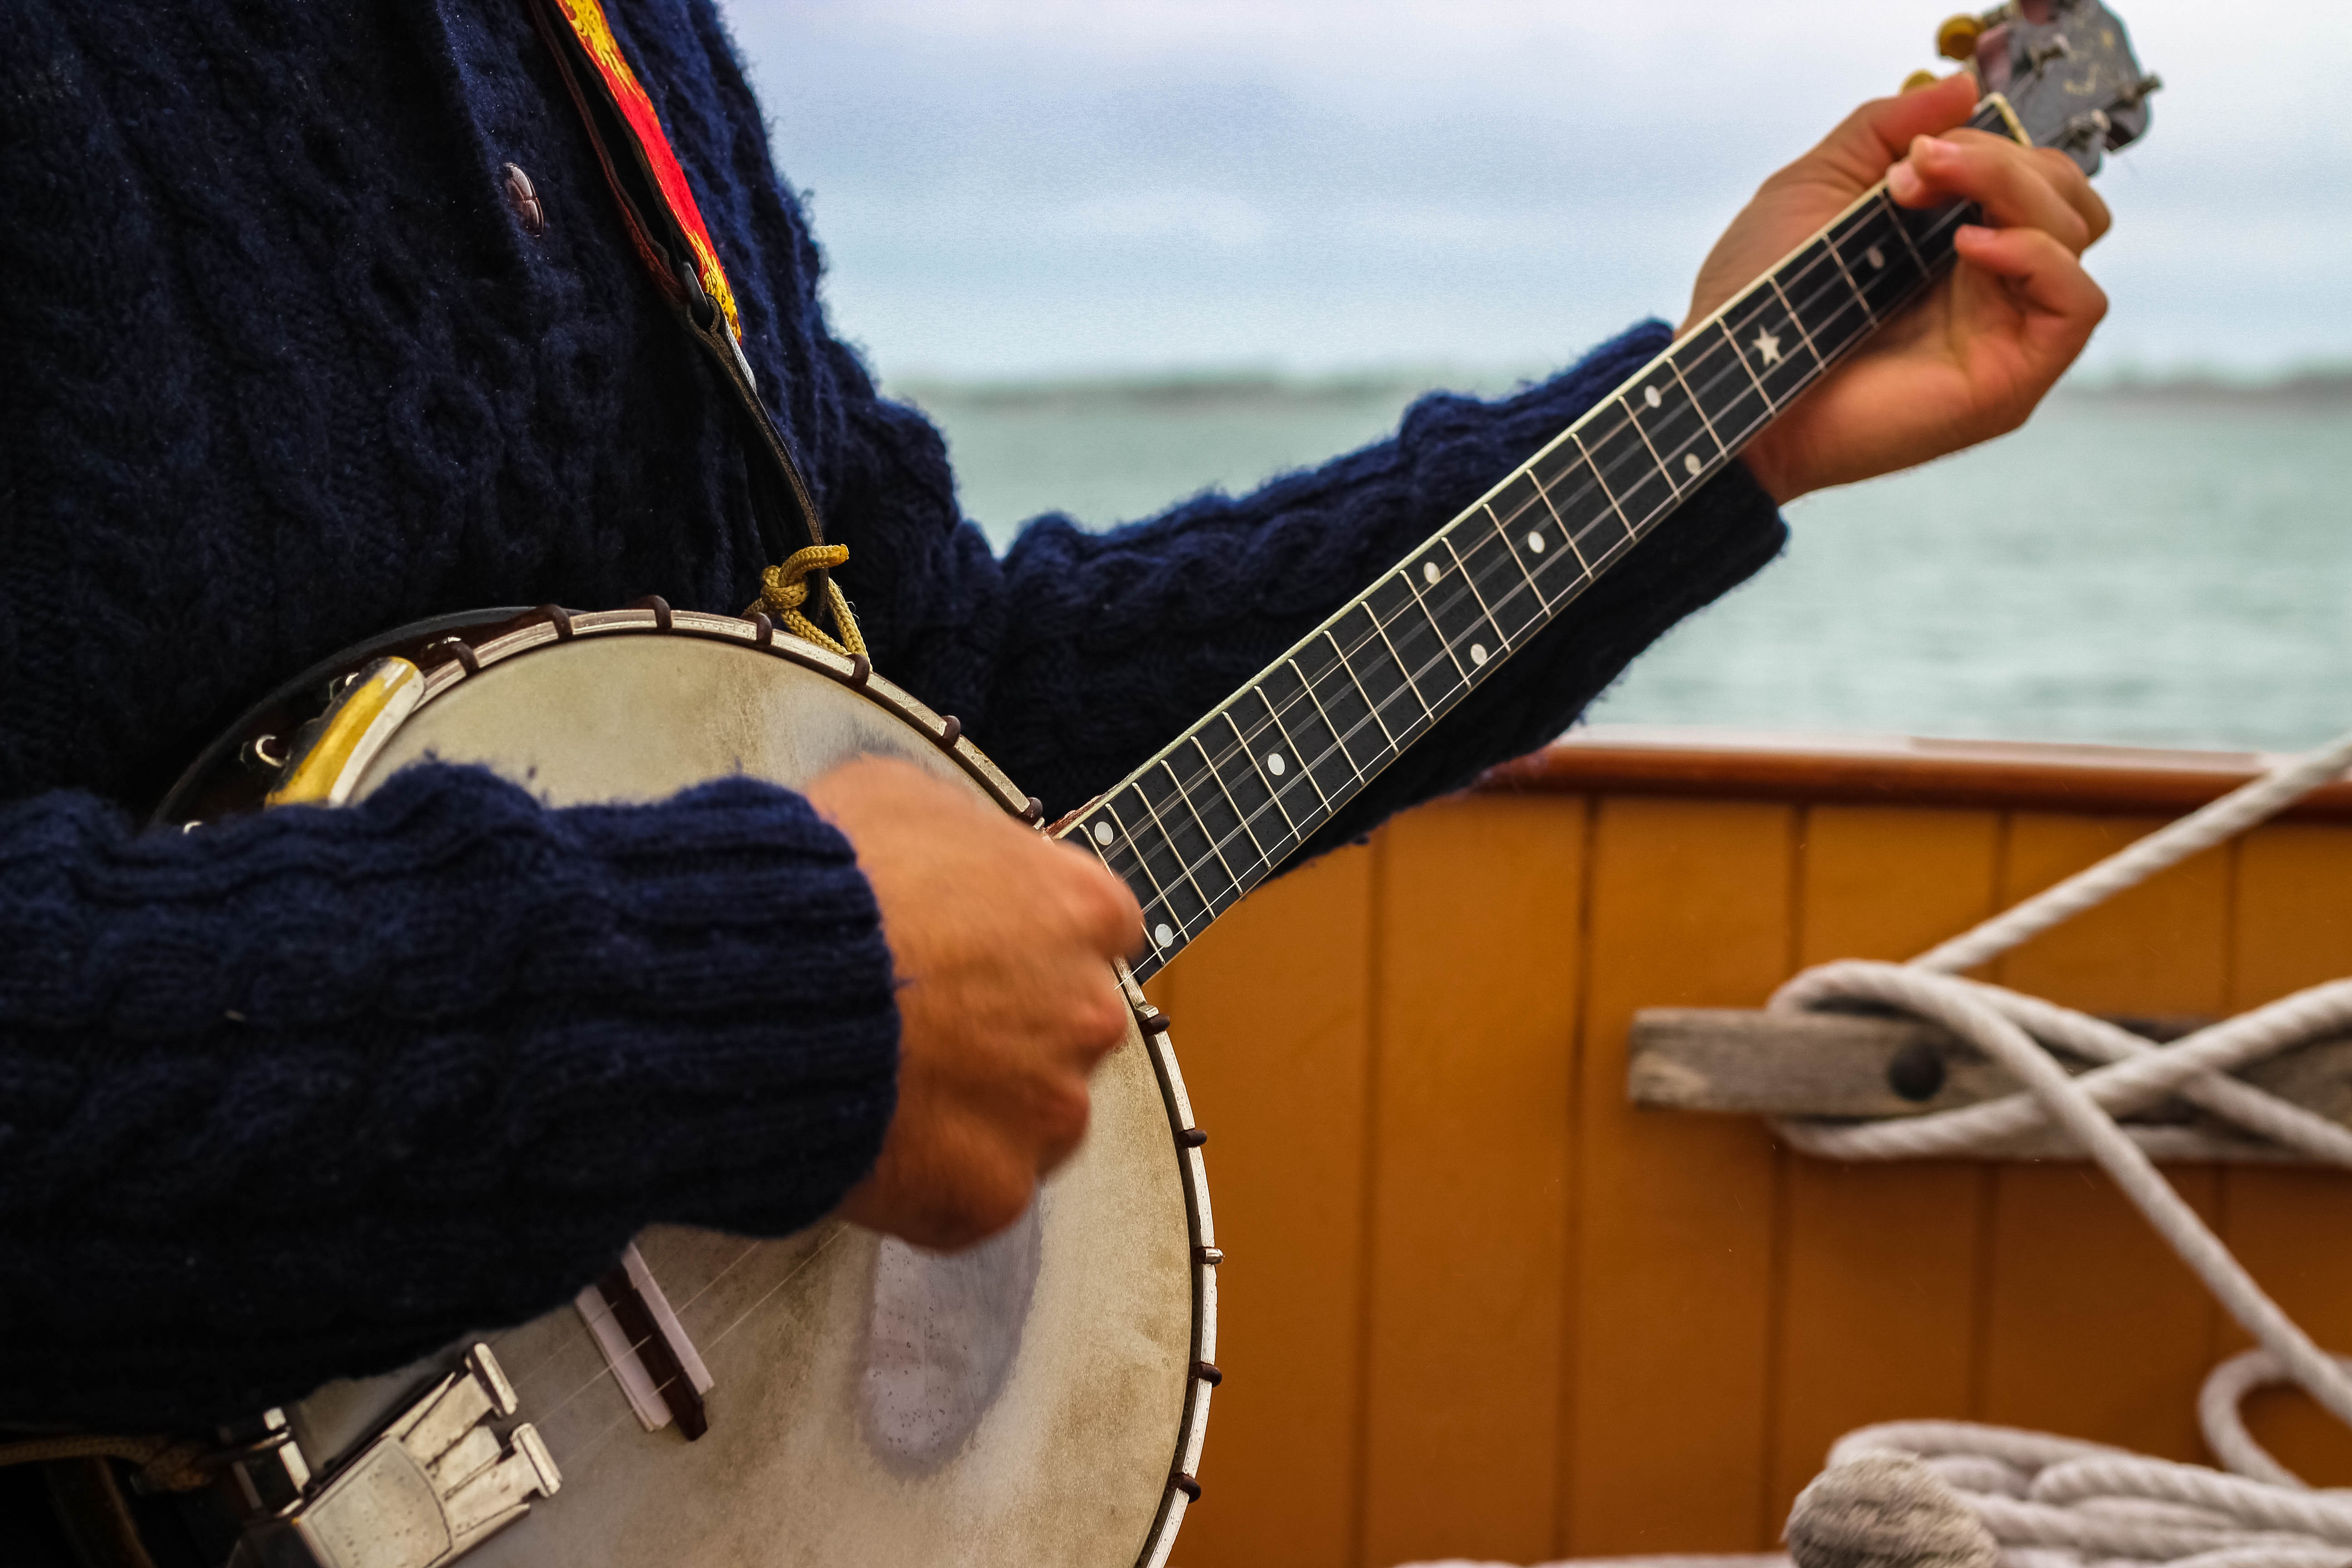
1955,1493
785,588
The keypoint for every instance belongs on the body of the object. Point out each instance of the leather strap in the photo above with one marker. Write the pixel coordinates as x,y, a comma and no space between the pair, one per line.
666,228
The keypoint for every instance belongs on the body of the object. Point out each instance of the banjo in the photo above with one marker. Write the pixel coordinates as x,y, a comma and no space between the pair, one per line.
838,1397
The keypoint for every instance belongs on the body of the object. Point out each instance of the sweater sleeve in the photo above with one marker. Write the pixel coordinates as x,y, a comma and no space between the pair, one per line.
310,1093
1079,654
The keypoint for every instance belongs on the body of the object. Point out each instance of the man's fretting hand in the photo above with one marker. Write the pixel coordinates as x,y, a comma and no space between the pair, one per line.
1971,360
1002,941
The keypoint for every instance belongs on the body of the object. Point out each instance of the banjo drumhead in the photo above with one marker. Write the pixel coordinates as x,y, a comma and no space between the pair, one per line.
1020,1403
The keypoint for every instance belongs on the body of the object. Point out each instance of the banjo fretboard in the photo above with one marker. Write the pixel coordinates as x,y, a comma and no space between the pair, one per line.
1219,809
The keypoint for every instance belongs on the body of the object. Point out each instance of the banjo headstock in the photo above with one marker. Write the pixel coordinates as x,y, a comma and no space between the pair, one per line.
2066,69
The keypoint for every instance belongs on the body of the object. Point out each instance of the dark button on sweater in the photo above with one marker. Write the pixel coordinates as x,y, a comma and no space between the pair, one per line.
524,200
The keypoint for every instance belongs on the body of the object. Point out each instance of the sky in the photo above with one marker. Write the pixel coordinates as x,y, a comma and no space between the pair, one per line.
1016,188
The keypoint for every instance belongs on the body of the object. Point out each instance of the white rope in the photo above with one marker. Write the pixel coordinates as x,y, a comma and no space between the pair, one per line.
2047,1500
2136,863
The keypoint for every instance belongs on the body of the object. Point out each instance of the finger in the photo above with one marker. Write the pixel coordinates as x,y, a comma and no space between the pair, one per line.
2043,275
2012,183
1096,1019
1997,176
2067,178
1109,920
1062,1122
2062,173
1876,134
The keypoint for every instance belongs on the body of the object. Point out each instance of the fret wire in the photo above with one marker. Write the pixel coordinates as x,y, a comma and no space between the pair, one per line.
1722,377
1124,838
1103,859
1828,243
1501,534
1370,707
1527,584
1602,481
1240,819
1213,842
1381,630
1708,353
1504,529
1722,452
1461,675
1248,819
1249,754
1704,360
1480,599
1297,756
1770,407
1183,870
1504,601
1162,899
1652,447
1734,369
1827,292
1412,676
1339,742
1209,767
1796,321
1705,354
1160,894
1822,364
1894,218
1561,523
1470,673
1462,590
1486,616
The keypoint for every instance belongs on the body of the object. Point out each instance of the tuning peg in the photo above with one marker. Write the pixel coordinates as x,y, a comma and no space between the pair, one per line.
1920,79
1956,38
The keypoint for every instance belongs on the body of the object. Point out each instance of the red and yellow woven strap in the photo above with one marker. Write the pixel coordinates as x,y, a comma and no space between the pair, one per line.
658,209
587,20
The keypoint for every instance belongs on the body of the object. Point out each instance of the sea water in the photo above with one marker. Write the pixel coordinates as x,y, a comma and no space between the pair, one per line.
2164,567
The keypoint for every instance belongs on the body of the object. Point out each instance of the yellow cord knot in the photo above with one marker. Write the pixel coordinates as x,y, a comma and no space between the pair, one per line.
785,589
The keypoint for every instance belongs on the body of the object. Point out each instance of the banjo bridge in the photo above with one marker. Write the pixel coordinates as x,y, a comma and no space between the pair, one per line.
646,1345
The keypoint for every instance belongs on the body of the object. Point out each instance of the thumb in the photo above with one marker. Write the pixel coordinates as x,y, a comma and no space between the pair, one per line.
1880,132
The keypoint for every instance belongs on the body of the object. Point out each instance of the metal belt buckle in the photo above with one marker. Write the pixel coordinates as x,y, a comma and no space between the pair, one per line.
434,1485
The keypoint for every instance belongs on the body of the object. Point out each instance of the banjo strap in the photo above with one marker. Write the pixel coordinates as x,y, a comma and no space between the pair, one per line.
665,228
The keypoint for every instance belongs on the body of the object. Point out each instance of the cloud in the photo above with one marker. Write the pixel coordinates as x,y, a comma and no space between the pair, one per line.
1050,185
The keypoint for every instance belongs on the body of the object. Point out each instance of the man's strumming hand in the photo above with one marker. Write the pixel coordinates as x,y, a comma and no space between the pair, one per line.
1001,942
1969,361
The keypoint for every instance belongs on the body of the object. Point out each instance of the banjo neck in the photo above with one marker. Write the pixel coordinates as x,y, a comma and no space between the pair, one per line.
1226,804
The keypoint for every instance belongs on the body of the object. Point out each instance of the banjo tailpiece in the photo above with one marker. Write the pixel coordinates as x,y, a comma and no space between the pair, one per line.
437,1483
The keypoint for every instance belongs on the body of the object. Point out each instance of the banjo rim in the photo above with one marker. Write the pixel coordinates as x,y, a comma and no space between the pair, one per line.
370,692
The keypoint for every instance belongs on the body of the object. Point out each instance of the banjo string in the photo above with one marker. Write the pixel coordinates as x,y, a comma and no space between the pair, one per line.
635,1345
1713,356
578,1452
1714,365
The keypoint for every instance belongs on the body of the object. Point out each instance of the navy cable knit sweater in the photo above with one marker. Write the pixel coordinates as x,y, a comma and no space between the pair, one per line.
310,1093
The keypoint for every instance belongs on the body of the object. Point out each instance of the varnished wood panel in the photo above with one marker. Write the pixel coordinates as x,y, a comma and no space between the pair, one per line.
2094,1328
1677,1212
1270,1012
1476,1305
2293,1229
1896,770
1884,1261
1469,1197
